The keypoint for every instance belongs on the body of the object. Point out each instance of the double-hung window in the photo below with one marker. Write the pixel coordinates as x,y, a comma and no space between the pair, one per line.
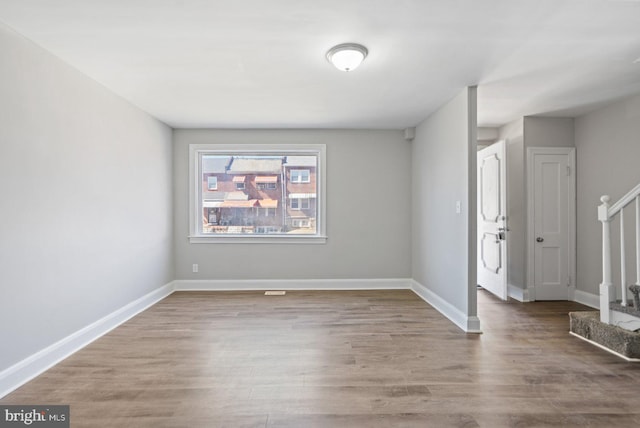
300,204
212,183
272,193
300,175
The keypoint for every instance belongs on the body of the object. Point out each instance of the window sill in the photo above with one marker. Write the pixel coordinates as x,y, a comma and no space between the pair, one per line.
244,239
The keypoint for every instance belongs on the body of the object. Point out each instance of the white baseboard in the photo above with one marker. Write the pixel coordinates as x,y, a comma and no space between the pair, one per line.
25,370
631,360
587,299
292,284
517,293
469,324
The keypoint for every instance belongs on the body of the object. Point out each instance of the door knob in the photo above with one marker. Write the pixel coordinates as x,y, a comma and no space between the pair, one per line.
539,239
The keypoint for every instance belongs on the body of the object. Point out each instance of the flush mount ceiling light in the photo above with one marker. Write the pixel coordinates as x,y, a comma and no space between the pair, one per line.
347,56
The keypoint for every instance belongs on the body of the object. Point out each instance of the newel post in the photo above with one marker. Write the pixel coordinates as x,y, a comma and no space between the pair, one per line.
607,292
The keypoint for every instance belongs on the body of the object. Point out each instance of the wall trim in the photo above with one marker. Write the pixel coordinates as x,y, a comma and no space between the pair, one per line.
23,371
517,293
291,284
468,324
631,360
587,299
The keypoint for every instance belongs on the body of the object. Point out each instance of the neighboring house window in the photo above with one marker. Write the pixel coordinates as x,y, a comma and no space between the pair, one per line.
238,180
267,229
240,209
300,204
265,182
265,212
266,186
212,183
300,223
300,175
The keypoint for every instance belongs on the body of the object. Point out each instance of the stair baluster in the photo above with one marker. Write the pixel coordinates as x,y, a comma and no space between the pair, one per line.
637,243
623,262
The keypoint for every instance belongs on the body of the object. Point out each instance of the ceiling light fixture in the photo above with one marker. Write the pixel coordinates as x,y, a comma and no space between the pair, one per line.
347,56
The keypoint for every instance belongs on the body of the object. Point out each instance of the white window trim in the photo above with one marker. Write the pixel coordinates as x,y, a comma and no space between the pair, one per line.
195,191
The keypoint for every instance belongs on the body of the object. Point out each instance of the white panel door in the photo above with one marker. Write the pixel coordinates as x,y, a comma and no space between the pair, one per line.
492,197
551,174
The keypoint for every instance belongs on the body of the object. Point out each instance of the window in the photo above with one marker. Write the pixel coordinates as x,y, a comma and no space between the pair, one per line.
300,175
267,182
300,204
267,229
238,180
212,183
266,186
300,223
265,212
240,210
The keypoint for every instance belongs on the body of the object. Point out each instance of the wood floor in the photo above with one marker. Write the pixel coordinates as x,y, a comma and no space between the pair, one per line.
339,359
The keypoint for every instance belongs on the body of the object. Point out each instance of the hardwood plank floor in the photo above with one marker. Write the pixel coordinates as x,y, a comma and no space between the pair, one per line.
339,359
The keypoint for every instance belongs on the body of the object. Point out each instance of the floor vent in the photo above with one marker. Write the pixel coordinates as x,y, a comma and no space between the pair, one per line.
275,293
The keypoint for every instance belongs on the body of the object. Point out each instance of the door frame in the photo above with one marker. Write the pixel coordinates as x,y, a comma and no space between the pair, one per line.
570,152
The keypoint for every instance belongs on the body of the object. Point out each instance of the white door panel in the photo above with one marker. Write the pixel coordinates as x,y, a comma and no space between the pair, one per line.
492,219
551,246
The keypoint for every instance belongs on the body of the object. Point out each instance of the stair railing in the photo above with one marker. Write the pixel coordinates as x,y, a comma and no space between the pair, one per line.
606,213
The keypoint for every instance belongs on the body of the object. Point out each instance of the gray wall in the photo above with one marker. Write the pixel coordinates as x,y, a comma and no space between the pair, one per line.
513,134
608,150
368,211
443,172
548,132
85,218
519,135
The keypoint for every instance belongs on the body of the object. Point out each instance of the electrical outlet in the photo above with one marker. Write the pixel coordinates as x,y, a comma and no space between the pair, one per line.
194,267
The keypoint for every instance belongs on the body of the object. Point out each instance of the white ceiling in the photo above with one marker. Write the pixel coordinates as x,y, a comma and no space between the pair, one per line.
261,64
